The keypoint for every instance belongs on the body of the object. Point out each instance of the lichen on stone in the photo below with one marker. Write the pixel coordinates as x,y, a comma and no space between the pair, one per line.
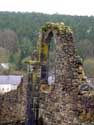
60,27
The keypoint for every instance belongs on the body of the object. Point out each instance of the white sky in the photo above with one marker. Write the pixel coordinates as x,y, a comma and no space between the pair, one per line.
71,7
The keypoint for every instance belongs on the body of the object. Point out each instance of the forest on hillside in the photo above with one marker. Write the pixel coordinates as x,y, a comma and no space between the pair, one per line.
19,35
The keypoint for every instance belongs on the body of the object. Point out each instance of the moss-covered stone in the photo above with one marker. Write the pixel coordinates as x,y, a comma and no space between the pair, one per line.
60,27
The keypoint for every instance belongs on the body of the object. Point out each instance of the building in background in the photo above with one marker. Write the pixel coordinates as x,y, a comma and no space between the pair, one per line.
9,82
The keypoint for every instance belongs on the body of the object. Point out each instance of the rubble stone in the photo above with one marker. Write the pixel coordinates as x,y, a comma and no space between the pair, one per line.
65,105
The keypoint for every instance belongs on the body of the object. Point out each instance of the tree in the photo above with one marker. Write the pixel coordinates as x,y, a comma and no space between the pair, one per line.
26,47
85,48
8,40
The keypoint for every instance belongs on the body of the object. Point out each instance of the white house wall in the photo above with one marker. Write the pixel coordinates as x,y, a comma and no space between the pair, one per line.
5,88
10,82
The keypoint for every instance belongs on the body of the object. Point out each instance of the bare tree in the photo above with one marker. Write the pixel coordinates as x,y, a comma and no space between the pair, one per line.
8,40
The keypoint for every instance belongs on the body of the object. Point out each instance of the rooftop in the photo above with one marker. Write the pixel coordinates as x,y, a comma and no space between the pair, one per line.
10,79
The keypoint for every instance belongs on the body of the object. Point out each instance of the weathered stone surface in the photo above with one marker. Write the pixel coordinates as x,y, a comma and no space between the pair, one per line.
13,105
65,105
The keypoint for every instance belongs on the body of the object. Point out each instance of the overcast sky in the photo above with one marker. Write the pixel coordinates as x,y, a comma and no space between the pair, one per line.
70,7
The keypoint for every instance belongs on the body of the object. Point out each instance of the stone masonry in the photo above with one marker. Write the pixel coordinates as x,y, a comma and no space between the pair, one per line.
65,104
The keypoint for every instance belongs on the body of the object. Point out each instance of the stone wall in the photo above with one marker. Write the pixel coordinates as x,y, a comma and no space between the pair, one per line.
65,104
13,105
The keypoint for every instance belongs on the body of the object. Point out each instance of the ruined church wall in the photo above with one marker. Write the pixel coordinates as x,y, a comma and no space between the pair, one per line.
65,105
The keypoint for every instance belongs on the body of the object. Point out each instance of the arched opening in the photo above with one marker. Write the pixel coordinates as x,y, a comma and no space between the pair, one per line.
51,61
48,58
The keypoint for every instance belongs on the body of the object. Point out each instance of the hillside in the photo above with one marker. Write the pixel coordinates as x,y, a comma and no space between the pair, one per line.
19,33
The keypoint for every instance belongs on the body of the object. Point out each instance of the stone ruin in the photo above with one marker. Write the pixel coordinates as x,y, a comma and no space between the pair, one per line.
66,104
13,105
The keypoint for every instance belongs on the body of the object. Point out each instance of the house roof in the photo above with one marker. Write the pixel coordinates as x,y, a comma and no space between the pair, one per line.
10,79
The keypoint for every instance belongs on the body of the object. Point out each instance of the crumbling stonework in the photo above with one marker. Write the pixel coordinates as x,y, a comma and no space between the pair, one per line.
13,105
65,104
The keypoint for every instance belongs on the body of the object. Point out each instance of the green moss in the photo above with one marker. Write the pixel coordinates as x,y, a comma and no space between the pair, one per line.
60,27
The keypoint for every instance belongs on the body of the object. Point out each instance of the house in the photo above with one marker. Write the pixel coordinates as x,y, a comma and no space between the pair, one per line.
9,82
